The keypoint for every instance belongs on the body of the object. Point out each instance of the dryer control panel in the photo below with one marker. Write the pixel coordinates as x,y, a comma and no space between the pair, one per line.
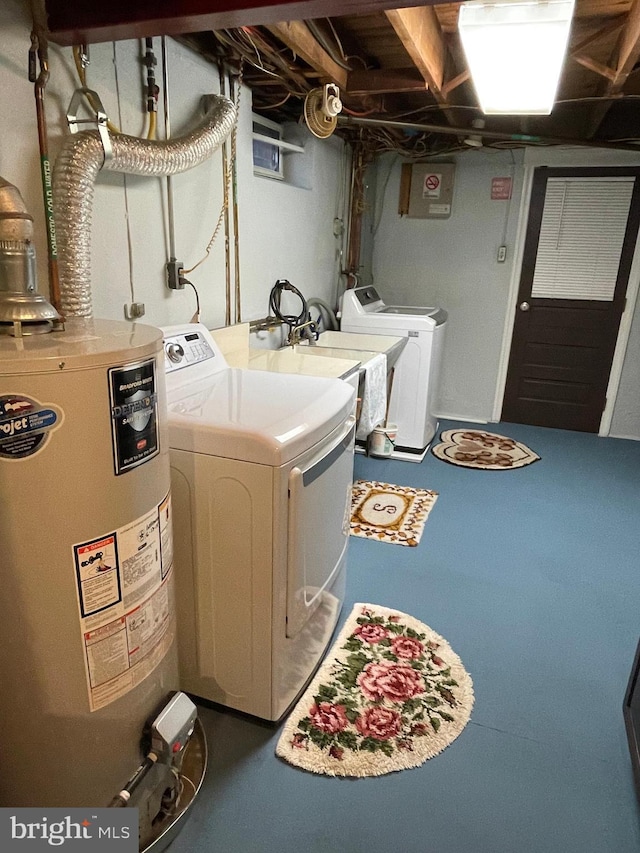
185,349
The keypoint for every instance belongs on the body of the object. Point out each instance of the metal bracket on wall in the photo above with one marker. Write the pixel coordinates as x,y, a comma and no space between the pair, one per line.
100,119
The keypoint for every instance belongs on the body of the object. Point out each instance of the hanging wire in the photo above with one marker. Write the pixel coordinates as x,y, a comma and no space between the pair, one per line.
227,177
196,317
337,38
278,104
124,179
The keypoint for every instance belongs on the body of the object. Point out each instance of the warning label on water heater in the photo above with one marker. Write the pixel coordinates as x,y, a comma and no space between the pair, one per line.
134,414
125,591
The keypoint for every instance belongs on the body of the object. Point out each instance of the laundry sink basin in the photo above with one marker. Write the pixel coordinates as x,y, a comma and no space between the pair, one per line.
310,351
300,360
337,344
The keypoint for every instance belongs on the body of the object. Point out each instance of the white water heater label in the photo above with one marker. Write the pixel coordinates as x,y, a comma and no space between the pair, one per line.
125,595
25,425
134,414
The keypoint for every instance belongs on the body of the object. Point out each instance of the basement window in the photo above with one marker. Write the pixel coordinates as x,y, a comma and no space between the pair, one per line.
269,148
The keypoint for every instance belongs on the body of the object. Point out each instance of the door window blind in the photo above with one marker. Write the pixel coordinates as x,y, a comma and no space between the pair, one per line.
581,236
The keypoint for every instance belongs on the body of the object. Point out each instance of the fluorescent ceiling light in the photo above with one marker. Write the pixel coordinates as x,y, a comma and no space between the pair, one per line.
515,52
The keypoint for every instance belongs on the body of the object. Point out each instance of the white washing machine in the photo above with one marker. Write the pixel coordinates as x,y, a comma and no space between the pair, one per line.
417,371
261,474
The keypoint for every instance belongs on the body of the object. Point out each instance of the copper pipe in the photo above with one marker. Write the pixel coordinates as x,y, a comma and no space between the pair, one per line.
234,198
225,203
356,208
39,45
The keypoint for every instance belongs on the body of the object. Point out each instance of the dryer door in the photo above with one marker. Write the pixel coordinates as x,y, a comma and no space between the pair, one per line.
319,513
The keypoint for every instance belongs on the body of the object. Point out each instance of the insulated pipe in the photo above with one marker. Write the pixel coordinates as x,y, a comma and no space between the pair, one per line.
74,177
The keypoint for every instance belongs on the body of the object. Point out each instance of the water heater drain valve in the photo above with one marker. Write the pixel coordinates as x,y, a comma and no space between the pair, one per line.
169,734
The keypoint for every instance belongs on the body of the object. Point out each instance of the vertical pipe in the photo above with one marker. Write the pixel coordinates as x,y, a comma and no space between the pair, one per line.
167,135
149,61
39,46
358,167
234,179
225,202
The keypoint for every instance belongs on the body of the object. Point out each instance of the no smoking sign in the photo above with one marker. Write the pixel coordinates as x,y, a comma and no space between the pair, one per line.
431,187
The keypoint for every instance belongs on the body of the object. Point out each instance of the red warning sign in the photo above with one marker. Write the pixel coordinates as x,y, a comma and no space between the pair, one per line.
500,189
431,188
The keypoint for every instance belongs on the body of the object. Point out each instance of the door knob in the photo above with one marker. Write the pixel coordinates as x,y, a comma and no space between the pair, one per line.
524,306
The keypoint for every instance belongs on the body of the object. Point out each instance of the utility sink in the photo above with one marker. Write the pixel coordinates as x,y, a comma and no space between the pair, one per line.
300,360
310,351
354,345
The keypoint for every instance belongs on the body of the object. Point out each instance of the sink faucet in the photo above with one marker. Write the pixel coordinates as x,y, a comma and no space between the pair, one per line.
307,330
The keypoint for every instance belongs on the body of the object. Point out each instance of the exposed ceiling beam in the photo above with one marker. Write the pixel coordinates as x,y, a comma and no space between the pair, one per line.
592,65
296,35
456,81
628,49
420,33
88,22
382,82
598,34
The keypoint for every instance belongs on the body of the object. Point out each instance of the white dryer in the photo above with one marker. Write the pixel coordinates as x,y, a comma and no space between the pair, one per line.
261,474
417,371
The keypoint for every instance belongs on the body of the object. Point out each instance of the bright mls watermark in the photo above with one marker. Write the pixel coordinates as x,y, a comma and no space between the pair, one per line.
80,830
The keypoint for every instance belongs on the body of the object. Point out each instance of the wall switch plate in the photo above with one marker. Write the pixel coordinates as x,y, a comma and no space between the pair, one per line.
502,254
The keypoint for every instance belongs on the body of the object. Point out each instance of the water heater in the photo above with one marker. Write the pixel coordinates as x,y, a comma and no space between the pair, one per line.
86,612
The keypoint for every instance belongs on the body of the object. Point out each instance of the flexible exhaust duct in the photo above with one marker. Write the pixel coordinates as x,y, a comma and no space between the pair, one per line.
74,177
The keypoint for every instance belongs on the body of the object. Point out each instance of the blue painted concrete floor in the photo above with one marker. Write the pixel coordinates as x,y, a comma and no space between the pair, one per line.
533,577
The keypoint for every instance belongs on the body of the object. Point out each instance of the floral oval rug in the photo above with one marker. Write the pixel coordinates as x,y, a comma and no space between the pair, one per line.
390,694
473,448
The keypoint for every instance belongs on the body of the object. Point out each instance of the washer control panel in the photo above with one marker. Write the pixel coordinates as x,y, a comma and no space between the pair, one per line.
183,350
366,295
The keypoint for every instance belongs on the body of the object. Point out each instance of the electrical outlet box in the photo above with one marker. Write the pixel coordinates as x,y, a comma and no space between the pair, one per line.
426,190
174,269
502,254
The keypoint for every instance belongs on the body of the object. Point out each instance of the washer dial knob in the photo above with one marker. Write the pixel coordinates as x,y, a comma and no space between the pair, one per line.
175,353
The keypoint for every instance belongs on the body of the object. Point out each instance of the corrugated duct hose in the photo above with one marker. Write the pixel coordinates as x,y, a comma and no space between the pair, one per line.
327,319
74,176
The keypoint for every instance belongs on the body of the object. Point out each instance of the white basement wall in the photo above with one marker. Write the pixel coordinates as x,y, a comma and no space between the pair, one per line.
284,231
452,264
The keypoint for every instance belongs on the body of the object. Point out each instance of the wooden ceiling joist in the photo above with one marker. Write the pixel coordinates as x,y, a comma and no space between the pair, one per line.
456,81
628,49
382,82
297,36
596,67
420,33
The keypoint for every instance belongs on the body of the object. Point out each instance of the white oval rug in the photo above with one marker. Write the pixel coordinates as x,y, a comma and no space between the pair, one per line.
390,695
472,448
